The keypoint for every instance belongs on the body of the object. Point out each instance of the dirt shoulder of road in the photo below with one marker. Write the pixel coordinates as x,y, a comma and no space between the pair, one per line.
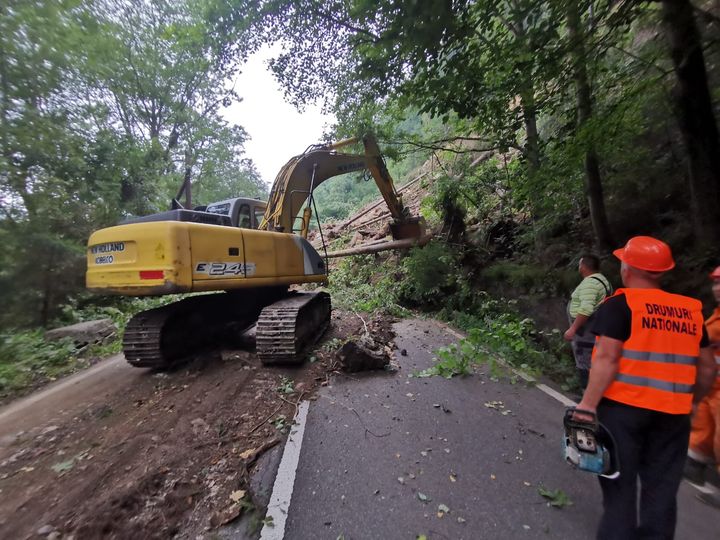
169,454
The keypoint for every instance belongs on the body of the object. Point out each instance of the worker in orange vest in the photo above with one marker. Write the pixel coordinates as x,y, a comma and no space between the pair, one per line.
704,453
651,364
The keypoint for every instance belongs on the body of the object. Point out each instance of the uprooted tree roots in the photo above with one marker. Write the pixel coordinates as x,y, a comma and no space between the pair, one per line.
371,351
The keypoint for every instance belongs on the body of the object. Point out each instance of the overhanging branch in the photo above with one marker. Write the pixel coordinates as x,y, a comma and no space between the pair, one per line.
443,145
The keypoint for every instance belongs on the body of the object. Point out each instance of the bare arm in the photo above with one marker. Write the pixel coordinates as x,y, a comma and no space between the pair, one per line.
706,372
577,323
605,366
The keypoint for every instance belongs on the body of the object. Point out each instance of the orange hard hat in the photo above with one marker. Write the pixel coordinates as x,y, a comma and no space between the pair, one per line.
646,253
715,274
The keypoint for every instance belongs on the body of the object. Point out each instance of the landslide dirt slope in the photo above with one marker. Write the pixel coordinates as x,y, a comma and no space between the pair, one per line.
161,457
372,221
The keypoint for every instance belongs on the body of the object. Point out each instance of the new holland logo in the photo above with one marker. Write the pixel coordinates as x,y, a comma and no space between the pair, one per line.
110,247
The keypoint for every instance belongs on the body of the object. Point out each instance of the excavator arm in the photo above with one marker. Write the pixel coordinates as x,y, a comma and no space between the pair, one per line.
300,176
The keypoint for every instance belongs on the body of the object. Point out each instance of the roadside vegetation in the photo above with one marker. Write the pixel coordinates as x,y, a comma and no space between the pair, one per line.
29,360
106,106
431,281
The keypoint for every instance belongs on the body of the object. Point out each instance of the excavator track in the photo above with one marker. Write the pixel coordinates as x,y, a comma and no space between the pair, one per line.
142,339
161,337
285,329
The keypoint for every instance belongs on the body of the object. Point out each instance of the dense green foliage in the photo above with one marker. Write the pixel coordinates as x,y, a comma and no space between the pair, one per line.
434,280
28,360
105,106
27,357
544,129
575,98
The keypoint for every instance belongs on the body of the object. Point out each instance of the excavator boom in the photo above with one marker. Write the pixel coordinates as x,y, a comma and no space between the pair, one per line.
300,176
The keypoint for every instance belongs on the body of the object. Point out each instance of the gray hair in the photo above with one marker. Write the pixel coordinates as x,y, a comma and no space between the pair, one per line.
645,274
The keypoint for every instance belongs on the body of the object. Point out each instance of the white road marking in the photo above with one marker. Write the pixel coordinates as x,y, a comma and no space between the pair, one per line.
702,488
285,479
562,399
528,378
556,395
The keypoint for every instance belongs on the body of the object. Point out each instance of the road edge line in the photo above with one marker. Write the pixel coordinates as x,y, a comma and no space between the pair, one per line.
558,397
285,478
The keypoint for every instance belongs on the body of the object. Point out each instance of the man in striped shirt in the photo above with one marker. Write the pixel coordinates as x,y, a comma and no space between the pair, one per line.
585,299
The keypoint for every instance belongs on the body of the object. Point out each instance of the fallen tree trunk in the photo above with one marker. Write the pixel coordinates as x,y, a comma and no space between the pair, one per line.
406,243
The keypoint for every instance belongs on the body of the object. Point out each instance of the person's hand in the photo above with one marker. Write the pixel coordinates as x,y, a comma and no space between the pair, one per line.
578,414
569,334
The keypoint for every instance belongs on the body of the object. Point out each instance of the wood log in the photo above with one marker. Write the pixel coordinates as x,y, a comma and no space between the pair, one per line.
381,246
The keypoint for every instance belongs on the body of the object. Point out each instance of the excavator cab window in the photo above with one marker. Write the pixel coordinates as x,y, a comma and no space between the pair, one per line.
244,217
259,212
222,209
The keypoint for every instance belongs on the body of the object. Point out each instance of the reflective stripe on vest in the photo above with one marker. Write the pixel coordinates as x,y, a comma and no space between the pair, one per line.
656,383
661,357
657,366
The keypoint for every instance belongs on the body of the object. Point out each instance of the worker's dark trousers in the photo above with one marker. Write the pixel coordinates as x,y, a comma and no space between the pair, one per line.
652,446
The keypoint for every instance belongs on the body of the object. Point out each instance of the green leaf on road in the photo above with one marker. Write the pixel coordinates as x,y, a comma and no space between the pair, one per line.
424,498
556,498
63,466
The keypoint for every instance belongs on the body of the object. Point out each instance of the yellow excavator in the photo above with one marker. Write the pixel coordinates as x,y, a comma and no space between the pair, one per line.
249,250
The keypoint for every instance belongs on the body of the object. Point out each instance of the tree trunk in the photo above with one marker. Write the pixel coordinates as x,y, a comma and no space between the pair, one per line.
187,187
593,179
47,291
532,154
4,95
695,117
532,140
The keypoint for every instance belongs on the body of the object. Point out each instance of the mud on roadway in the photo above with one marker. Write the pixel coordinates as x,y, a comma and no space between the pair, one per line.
164,454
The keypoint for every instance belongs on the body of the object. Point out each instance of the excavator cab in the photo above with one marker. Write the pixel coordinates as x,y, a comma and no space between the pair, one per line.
243,212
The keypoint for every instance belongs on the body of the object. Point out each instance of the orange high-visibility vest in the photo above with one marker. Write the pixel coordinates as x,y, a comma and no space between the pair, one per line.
658,362
713,328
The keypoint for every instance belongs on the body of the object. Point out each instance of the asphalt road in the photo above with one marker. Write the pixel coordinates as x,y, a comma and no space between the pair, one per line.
381,453
389,456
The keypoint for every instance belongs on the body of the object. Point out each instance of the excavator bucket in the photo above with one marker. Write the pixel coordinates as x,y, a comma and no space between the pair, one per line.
411,228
